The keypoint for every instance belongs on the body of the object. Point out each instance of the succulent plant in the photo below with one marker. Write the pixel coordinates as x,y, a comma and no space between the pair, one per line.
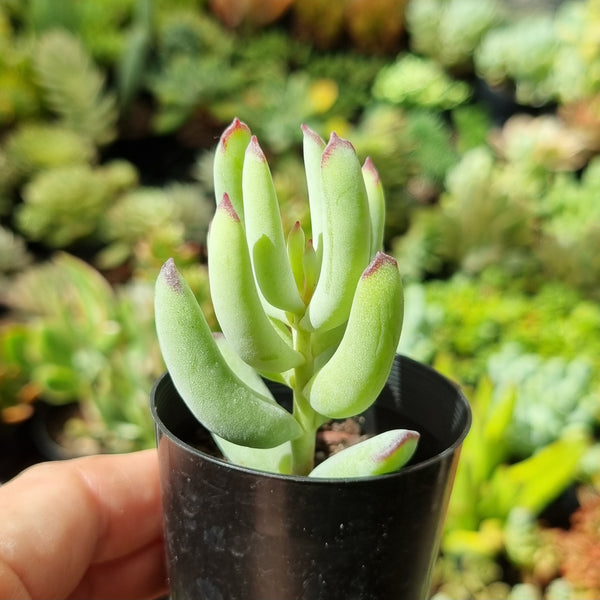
413,80
579,548
521,53
14,255
34,147
450,30
542,142
74,87
553,396
321,316
67,203
376,26
319,21
71,337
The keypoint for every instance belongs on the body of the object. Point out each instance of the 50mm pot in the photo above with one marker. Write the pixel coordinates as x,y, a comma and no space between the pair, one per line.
233,533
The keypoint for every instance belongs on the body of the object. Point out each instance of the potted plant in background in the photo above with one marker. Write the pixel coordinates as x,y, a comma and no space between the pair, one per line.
321,320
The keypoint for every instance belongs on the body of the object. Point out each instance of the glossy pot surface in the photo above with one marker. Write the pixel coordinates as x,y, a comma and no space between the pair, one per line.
237,534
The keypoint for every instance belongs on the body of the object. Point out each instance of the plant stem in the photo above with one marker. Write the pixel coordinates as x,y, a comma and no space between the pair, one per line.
303,448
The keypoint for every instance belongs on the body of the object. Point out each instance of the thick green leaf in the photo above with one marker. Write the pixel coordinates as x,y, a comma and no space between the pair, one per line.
221,401
236,301
272,460
384,453
376,205
354,376
264,233
346,236
228,164
313,147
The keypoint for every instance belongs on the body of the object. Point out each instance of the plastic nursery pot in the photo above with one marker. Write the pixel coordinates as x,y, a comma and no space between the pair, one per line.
233,533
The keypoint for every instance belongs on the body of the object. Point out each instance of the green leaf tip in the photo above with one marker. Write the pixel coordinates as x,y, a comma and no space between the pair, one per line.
228,164
370,170
171,276
227,207
395,440
255,149
380,261
357,371
313,136
236,128
335,144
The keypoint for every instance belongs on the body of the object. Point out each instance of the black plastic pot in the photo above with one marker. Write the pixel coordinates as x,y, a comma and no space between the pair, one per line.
237,534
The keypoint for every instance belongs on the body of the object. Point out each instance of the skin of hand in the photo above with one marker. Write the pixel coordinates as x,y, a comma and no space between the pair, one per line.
84,528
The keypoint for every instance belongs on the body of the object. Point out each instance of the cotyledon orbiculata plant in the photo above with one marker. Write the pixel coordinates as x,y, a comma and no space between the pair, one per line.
322,315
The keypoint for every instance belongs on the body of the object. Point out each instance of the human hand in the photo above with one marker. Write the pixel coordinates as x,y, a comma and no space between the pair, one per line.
84,528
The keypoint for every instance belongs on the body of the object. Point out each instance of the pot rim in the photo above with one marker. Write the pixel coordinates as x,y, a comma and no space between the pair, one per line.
305,479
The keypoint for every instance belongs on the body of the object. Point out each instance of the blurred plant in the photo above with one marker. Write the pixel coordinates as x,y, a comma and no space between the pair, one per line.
546,57
67,203
579,549
70,308
574,260
570,226
275,107
470,576
375,26
192,67
14,255
80,341
476,224
496,204
472,124
251,13
543,142
144,214
490,485
36,146
82,118
522,54
319,21
17,393
99,26
472,319
423,141
474,577
274,51
553,396
74,88
431,154
531,548
449,31
583,117
133,59
353,74
413,80
576,71
19,97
